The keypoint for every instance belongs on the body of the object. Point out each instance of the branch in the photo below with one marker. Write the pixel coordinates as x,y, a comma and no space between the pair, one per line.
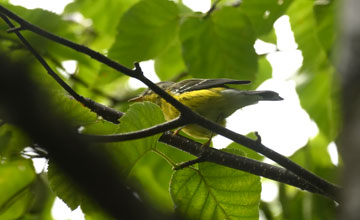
213,7
349,68
208,154
20,101
102,110
146,132
330,189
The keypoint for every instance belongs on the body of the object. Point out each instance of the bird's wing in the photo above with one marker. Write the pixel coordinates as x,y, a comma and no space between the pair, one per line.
197,84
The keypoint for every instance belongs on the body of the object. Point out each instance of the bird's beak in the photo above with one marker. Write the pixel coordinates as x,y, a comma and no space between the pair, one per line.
136,99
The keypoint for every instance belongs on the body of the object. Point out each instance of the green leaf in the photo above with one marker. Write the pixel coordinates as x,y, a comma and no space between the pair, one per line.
309,157
139,116
326,17
264,72
46,20
269,37
127,154
248,153
263,14
313,156
104,24
303,25
220,45
170,63
43,200
320,90
145,30
75,112
94,212
16,178
319,97
12,141
63,187
139,163
216,192
71,194
152,174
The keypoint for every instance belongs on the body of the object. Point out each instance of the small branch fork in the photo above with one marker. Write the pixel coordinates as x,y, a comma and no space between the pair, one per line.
208,154
187,115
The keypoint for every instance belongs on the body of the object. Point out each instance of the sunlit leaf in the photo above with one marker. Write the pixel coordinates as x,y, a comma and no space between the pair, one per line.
303,24
46,20
138,159
318,96
145,30
12,141
138,116
326,16
220,45
76,113
16,178
264,72
248,153
319,92
170,63
315,157
263,14
104,24
216,192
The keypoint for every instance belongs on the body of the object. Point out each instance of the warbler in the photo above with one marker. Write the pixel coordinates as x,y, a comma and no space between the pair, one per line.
211,98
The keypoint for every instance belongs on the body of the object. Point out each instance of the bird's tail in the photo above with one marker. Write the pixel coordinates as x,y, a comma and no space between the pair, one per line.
266,95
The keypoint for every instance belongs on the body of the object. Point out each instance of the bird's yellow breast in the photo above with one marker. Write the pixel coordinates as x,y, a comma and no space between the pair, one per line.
206,102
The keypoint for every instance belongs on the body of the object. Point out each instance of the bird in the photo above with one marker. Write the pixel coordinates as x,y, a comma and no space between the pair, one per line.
211,98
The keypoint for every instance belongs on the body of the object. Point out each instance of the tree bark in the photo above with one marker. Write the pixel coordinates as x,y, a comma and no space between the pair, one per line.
349,67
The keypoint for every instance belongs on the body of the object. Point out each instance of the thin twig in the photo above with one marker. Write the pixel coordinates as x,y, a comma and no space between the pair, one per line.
213,7
146,132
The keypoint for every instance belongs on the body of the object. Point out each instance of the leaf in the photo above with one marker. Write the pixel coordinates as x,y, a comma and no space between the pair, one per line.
248,153
263,14
319,97
46,20
320,90
216,192
145,30
152,174
16,178
170,63
138,161
75,112
264,72
12,141
94,212
326,17
43,200
63,187
309,157
219,46
103,23
139,116
303,24
313,156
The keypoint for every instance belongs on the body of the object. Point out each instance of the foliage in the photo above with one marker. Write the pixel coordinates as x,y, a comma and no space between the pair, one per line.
182,43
